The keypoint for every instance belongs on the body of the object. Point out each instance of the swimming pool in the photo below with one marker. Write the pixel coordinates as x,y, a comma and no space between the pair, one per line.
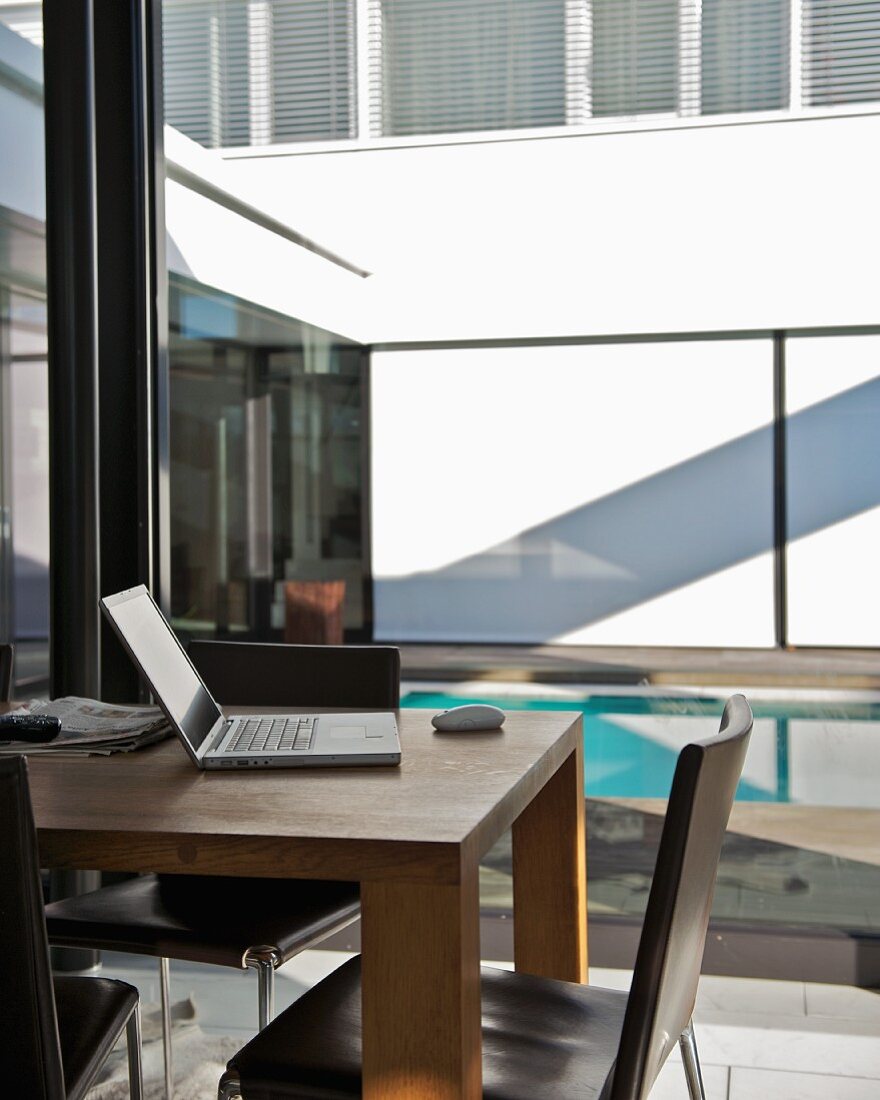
819,751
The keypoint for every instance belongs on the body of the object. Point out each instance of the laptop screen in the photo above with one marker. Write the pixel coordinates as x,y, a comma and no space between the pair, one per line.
154,647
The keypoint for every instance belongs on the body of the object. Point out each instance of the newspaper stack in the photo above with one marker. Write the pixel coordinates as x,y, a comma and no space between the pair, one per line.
91,727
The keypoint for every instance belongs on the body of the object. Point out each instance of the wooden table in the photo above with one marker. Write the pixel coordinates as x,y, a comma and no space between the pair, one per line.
412,836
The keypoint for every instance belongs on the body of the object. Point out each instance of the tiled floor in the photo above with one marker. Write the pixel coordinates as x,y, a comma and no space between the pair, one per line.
757,1039
785,1040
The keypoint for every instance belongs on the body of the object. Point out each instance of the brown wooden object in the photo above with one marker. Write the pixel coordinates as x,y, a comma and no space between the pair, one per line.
313,612
421,992
413,836
549,878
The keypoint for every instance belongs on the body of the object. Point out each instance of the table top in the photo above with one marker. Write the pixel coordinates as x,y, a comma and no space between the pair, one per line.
449,800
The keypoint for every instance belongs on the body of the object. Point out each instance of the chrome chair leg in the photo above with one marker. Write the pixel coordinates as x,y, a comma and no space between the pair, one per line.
690,1058
165,994
230,1086
133,1043
264,960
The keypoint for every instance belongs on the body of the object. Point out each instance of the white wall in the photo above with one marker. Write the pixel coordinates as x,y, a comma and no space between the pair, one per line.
764,225
833,406
613,494
225,250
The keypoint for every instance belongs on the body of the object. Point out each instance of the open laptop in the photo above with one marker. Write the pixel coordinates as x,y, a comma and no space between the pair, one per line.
215,740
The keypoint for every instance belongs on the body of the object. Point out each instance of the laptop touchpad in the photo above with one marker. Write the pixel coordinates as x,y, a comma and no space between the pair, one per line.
348,733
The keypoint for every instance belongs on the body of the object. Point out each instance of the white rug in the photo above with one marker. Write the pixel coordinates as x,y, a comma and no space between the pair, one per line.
199,1059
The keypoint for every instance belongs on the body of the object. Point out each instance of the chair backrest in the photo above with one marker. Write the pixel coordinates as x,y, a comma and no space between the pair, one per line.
270,675
30,1055
670,954
6,655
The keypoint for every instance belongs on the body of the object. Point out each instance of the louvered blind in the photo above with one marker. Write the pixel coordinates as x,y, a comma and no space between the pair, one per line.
841,51
313,71
745,52
205,44
250,72
635,57
455,65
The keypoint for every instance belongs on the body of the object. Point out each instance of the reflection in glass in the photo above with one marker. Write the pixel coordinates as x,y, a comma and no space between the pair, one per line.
24,415
266,473
832,401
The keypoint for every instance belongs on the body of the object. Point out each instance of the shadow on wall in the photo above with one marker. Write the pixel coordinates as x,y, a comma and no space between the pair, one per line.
680,525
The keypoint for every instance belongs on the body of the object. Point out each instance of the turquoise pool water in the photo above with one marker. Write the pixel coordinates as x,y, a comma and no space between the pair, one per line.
801,751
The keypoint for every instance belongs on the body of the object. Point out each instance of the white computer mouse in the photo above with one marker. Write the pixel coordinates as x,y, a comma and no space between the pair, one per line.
469,718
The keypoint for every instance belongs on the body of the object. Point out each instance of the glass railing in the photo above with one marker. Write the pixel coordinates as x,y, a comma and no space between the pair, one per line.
803,844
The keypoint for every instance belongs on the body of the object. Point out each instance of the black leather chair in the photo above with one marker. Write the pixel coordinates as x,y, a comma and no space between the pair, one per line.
6,656
258,923
259,674
545,1038
54,1035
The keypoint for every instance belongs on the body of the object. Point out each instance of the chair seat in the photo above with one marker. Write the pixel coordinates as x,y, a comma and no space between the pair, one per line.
203,919
91,1015
542,1040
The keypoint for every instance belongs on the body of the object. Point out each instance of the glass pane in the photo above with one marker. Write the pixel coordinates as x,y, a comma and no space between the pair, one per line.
802,843
627,499
24,414
266,472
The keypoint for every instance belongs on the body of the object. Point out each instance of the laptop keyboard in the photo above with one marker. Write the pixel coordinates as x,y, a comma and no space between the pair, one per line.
293,731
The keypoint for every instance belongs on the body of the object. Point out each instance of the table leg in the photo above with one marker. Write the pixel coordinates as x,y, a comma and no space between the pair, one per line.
550,878
421,990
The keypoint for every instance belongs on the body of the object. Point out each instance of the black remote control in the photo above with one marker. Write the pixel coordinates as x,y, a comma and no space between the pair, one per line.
36,728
